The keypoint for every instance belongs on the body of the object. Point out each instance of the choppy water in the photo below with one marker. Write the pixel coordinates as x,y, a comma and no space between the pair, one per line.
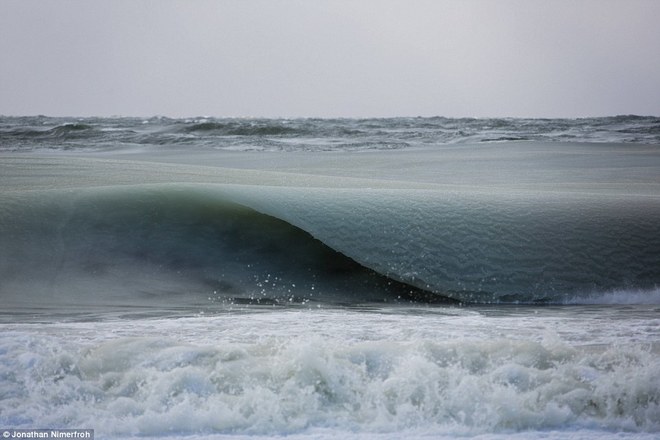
39,133
386,278
582,372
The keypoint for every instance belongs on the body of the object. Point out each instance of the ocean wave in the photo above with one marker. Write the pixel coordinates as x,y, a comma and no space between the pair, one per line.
57,137
172,247
188,244
65,129
243,128
34,133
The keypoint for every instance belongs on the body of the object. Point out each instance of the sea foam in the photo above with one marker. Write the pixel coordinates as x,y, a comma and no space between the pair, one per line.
296,381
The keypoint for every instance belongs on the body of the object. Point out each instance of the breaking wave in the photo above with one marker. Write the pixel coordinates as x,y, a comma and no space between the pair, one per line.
180,244
173,246
154,386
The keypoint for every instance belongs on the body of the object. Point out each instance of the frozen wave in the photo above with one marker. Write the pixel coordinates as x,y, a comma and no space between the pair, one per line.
274,243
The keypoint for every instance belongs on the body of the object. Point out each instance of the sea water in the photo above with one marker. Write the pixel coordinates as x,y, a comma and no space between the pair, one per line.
411,277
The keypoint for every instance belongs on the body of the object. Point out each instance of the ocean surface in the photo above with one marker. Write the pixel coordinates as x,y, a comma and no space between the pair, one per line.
394,278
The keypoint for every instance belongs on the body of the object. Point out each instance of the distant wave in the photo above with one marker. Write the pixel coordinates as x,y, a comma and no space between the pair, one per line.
248,128
34,133
44,138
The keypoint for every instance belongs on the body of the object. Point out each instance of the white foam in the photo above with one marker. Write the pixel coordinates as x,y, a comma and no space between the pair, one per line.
317,374
620,296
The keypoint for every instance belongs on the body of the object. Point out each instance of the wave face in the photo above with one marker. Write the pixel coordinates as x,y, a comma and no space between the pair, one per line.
488,247
191,244
116,134
168,247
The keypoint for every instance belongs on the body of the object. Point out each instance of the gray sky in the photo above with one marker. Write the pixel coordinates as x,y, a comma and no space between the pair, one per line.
534,58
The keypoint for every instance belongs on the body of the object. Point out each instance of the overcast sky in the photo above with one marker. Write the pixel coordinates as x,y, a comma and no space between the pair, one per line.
532,58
